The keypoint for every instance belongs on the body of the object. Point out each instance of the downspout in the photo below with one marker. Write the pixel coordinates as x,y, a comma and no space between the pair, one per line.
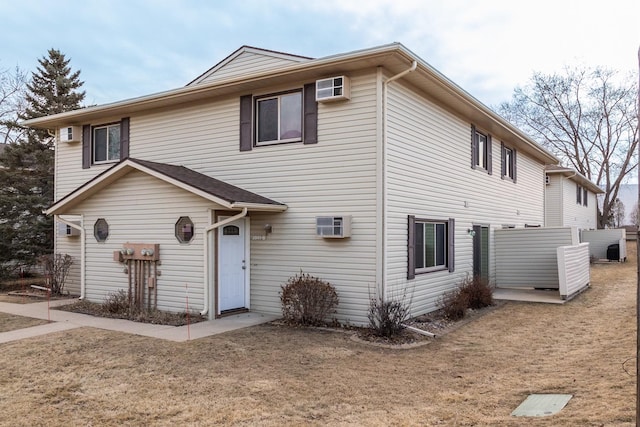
207,230
385,85
82,249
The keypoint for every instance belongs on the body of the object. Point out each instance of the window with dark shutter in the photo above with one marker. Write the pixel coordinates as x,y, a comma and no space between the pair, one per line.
245,123
283,117
310,114
430,246
481,154
124,138
86,146
105,143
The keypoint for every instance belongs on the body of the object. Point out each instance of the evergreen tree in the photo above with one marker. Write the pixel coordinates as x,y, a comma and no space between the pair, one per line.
26,167
52,90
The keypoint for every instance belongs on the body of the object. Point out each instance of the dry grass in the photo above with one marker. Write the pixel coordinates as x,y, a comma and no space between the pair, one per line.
274,375
9,322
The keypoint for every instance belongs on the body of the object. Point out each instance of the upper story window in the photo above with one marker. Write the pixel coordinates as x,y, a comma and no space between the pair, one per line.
279,118
508,163
480,150
106,143
582,195
578,194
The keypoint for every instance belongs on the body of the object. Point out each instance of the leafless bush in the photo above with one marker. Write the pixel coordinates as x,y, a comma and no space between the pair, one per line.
117,302
387,315
56,268
307,300
472,293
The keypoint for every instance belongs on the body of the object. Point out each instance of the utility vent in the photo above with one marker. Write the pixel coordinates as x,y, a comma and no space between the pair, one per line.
70,134
333,89
67,230
333,227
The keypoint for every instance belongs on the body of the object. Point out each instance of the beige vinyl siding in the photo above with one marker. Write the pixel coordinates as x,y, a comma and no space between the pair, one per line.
248,63
69,173
70,245
554,201
429,175
143,209
336,176
578,215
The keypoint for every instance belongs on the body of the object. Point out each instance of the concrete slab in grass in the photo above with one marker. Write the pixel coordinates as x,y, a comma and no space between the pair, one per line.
542,405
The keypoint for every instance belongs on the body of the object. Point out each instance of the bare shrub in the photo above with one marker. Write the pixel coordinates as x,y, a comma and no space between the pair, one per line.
307,300
473,292
117,302
56,268
454,304
386,318
478,292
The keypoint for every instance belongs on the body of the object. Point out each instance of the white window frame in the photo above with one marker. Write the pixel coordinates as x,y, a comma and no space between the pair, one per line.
278,97
93,144
509,161
444,249
482,144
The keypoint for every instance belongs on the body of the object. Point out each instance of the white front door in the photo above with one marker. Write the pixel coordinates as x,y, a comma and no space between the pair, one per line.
231,266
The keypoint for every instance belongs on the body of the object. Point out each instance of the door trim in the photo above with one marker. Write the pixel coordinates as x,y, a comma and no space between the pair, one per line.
219,216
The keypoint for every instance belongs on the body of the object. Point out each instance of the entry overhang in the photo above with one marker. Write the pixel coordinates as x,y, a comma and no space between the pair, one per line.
226,195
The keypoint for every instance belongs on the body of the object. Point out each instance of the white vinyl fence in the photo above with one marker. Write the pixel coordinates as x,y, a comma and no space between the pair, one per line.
600,240
573,269
527,257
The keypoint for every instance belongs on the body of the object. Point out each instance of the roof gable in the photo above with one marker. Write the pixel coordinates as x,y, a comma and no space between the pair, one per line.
219,192
575,176
248,60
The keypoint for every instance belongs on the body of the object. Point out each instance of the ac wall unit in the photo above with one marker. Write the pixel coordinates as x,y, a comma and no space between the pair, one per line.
70,134
333,89
67,230
333,227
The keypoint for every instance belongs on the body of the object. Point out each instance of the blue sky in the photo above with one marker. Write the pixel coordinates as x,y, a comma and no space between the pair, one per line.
131,48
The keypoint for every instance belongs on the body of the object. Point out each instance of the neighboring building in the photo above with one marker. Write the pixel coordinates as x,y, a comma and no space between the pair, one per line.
570,199
368,169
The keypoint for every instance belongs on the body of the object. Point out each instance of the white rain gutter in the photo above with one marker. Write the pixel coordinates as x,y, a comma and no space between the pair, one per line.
385,85
82,248
210,228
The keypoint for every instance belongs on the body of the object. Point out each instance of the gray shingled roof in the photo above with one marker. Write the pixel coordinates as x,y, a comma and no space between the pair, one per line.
226,194
215,187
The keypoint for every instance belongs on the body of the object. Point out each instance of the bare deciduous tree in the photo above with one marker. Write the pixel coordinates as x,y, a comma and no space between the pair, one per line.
616,219
588,119
13,84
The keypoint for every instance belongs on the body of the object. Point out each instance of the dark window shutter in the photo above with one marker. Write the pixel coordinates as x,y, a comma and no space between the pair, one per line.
411,248
514,159
503,161
451,241
474,147
246,142
86,146
489,155
310,114
124,138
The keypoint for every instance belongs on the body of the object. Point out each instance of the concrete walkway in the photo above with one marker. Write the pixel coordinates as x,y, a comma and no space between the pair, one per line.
64,320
